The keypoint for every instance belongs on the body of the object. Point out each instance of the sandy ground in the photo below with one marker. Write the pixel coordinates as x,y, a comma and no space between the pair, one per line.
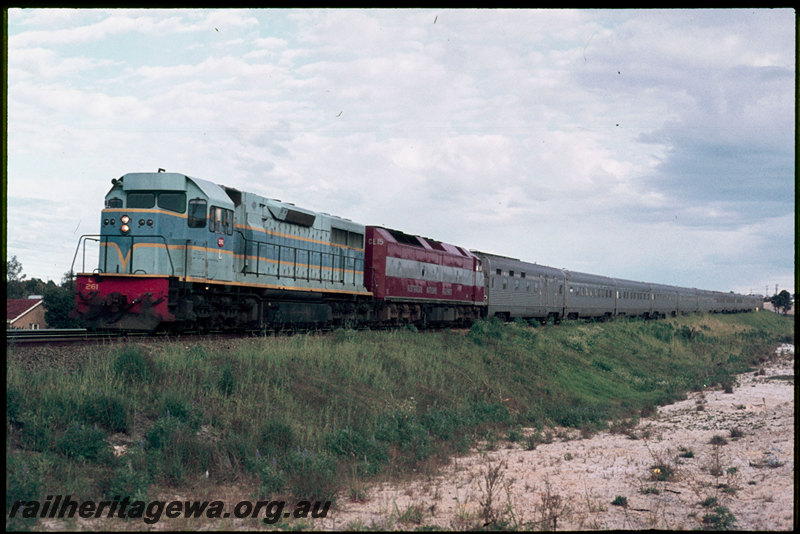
572,483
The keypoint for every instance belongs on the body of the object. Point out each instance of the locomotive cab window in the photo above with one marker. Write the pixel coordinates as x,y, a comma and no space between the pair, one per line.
141,200
114,203
197,213
220,220
172,201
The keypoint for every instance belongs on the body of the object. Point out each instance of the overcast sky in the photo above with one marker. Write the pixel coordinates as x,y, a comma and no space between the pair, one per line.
654,145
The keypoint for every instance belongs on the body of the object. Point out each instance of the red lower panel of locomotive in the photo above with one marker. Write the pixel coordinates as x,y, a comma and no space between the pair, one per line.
122,302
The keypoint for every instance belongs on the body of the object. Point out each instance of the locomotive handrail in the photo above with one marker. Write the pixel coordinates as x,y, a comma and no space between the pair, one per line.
104,239
75,256
290,251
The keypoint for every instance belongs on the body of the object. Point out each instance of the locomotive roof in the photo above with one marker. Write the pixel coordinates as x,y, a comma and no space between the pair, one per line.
173,181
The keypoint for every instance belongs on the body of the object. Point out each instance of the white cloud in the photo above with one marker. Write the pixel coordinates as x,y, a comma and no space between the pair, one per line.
560,136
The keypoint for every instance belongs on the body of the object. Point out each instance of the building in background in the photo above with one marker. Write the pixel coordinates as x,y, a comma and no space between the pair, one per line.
25,314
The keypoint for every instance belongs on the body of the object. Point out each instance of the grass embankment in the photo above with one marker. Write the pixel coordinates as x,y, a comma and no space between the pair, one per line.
307,415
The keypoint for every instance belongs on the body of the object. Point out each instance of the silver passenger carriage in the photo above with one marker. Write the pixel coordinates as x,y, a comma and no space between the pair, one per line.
589,295
518,289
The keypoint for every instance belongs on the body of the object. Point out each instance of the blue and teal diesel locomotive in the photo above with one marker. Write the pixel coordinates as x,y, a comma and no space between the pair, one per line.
182,251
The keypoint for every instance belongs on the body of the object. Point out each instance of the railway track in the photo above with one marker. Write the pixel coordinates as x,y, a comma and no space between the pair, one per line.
67,336
56,335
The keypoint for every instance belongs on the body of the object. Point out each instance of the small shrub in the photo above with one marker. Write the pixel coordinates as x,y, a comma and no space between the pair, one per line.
721,519
312,475
708,502
132,366
130,479
688,332
23,479
727,385
662,472
23,483
718,440
623,426
276,437
37,434
414,513
487,330
736,433
107,411
648,411
81,441
273,478
163,431
226,383
532,439
174,405
685,453
369,452
620,501
515,435
13,403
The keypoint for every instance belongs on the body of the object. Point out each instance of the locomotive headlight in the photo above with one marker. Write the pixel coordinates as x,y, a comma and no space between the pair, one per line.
141,222
125,219
125,228
149,222
105,221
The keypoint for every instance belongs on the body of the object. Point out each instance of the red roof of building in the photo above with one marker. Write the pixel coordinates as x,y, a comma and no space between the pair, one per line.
16,307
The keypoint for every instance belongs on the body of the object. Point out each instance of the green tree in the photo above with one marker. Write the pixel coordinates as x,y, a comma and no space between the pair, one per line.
14,270
782,301
59,301
15,285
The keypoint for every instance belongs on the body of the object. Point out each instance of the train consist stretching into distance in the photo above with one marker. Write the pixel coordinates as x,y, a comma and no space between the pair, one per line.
181,253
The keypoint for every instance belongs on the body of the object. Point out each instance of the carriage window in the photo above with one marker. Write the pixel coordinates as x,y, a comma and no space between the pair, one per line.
172,201
114,203
141,200
197,213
